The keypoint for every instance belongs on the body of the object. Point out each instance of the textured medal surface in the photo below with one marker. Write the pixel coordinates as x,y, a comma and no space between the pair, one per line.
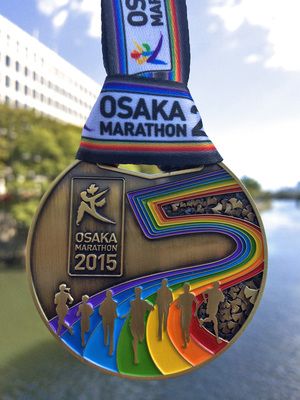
146,276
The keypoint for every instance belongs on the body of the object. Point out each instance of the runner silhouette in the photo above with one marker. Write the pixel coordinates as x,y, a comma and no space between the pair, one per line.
61,299
108,313
137,313
185,303
164,299
214,297
85,310
89,203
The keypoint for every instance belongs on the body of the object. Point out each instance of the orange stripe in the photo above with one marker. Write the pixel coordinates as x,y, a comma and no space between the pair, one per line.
194,354
149,147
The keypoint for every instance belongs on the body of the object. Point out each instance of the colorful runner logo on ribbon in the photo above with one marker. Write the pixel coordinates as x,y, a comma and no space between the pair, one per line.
143,53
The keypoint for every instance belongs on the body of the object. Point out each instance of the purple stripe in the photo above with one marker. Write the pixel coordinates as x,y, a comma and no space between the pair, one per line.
156,89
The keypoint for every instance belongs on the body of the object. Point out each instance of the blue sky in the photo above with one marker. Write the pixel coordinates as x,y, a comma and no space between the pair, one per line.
245,73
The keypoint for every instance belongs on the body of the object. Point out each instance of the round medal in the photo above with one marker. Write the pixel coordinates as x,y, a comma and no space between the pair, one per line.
146,276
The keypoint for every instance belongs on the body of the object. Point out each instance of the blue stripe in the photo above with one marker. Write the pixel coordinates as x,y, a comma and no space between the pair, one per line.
120,87
120,37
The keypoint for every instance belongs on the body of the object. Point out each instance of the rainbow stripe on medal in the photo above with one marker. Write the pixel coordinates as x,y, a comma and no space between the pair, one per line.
168,357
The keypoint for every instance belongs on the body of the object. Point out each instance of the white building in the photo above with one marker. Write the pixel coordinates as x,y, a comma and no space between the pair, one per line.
33,76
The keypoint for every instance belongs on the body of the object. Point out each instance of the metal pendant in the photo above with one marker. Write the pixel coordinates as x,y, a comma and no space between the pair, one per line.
146,276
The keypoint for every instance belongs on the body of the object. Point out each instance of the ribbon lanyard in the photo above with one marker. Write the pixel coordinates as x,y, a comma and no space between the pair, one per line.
145,113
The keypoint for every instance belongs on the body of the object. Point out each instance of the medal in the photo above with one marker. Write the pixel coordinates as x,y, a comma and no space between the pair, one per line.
146,276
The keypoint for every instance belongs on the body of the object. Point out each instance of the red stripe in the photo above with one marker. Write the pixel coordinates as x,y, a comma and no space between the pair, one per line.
201,335
149,147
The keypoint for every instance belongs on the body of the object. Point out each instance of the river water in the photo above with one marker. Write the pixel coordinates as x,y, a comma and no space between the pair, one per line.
264,364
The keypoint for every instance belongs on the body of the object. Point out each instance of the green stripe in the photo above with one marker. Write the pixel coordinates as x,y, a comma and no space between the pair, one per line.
125,360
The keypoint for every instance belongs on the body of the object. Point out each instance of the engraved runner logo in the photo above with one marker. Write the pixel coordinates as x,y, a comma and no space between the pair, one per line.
96,227
91,200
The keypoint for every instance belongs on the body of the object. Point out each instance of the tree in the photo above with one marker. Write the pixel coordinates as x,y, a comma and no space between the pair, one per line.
252,185
34,150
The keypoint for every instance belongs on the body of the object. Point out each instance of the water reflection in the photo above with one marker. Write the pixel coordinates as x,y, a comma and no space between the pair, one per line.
264,364
282,215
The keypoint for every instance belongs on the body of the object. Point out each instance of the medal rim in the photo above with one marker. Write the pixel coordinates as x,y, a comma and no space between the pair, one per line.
124,171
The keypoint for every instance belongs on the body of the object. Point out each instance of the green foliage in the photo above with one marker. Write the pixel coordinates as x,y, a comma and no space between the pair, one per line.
252,185
146,169
34,150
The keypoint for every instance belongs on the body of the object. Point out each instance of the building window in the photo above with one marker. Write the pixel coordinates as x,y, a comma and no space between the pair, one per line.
17,86
34,76
6,100
34,94
42,98
7,81
17,66
42,80
26,72
26,90
7,61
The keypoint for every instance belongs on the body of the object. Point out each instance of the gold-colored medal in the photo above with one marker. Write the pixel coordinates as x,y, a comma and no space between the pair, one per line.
147,276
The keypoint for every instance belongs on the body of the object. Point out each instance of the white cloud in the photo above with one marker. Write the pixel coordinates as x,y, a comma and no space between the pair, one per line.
280,20
60,18
49,7
59,11
268,152
253,59
93,10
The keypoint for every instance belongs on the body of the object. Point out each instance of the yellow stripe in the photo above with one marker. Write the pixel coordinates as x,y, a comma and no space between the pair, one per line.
163,353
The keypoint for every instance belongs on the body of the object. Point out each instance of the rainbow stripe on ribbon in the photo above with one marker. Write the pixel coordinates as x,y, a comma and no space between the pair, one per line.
168,357
195,148
120,39
147,147
176,73
153,88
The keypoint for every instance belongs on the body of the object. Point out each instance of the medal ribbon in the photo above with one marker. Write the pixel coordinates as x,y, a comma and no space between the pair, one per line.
145,113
